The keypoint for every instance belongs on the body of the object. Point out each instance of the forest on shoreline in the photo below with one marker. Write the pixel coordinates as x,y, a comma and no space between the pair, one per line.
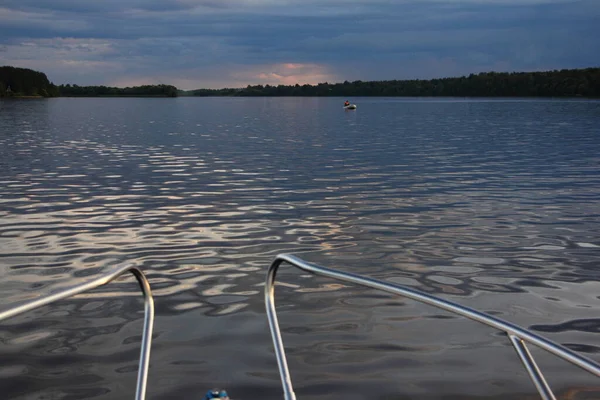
23,82
27,83
558,83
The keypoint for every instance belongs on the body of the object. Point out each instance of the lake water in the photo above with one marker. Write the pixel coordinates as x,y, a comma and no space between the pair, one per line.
494,204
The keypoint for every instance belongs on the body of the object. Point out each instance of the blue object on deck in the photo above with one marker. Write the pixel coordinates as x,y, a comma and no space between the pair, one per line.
216,394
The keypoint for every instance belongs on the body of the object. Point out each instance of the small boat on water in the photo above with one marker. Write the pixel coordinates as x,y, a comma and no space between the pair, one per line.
348,106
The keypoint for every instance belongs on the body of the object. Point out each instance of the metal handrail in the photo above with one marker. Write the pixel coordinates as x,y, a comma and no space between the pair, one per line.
517,335
104,279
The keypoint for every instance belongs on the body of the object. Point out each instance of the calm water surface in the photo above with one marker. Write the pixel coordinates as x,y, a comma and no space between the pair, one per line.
493,204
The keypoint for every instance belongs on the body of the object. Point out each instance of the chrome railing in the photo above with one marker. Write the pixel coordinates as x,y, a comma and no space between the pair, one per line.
517,335
101,280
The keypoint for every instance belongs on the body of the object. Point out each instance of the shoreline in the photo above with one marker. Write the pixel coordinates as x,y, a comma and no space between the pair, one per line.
116,95
577,97
23,97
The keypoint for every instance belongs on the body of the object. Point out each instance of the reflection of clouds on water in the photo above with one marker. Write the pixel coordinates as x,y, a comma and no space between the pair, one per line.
451,198
143,221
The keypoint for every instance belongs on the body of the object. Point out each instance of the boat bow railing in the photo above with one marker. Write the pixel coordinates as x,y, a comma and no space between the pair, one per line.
102,280
517,335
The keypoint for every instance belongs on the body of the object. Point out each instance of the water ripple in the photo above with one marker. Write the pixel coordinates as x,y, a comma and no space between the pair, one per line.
490,203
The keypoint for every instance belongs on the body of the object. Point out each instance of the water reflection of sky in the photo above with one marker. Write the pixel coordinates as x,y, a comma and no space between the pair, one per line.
493,204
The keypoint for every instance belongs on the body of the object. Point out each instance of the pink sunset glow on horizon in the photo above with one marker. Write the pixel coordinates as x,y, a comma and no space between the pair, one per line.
291,74
237,76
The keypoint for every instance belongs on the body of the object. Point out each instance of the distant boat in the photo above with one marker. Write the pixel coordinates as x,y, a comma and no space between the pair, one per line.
350,107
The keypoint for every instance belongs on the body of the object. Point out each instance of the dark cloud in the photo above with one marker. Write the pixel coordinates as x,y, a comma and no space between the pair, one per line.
104,6
231,40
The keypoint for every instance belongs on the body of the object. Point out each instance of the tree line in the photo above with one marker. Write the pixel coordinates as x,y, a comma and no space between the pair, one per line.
18,82
99,91
24,82
557,83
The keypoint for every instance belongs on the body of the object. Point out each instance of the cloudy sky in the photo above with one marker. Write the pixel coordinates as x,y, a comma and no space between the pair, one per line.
232,43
